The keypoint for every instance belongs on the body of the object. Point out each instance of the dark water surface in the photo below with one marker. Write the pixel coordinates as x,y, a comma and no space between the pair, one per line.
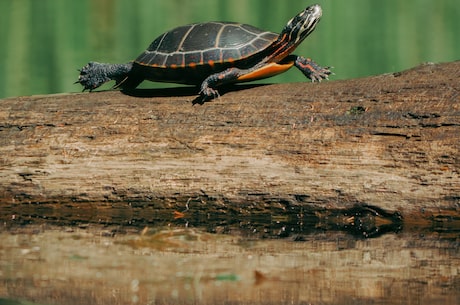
106,258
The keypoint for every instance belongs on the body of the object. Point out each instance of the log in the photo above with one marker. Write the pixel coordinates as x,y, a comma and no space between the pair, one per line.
390,141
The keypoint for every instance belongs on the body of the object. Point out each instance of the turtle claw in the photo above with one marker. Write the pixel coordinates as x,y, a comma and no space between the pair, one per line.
206,94
199,100
320,74
312,70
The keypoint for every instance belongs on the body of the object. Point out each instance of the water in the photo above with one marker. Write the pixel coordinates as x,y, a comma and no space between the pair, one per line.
103,257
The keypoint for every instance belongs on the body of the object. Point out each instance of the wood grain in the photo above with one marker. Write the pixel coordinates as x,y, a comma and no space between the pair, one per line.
391,141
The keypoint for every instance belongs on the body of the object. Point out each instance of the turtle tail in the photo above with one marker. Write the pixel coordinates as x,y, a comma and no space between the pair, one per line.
129,82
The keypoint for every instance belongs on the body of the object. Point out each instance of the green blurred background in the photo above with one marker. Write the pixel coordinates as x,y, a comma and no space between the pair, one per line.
44,42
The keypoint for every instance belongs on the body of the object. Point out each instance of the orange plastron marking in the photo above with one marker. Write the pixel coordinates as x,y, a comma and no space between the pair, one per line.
268,70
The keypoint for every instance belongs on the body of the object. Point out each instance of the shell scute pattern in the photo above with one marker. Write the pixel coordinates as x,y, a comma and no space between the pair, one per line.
205,44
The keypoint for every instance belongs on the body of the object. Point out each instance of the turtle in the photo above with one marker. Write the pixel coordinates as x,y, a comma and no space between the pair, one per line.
213,54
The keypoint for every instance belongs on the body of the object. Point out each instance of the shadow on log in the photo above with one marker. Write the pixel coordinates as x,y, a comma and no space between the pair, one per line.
390,141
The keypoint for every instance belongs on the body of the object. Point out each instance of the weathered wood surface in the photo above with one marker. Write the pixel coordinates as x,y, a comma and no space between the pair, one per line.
391,141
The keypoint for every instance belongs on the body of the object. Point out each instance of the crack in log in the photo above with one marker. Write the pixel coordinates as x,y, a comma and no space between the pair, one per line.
411,115
26,126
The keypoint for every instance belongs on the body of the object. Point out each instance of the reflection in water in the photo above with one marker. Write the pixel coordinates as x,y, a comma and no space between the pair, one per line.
95,264
292,221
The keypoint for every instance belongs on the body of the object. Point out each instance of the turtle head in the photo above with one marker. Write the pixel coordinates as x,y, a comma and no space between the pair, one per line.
299,27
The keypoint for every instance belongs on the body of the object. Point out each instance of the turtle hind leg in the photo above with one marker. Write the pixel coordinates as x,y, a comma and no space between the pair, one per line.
95,74
311,69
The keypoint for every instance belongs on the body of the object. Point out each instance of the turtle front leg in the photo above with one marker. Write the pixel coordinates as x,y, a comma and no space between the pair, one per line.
311,69
208,86
95,74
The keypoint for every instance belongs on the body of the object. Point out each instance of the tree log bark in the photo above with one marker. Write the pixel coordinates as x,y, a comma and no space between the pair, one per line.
390,141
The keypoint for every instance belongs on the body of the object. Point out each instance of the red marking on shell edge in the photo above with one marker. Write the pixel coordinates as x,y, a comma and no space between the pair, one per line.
211,63
173,66
192,65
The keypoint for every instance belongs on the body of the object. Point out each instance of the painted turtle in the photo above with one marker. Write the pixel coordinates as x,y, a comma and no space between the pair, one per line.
213,54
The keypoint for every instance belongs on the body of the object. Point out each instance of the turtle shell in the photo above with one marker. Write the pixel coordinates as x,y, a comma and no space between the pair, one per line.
190,53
